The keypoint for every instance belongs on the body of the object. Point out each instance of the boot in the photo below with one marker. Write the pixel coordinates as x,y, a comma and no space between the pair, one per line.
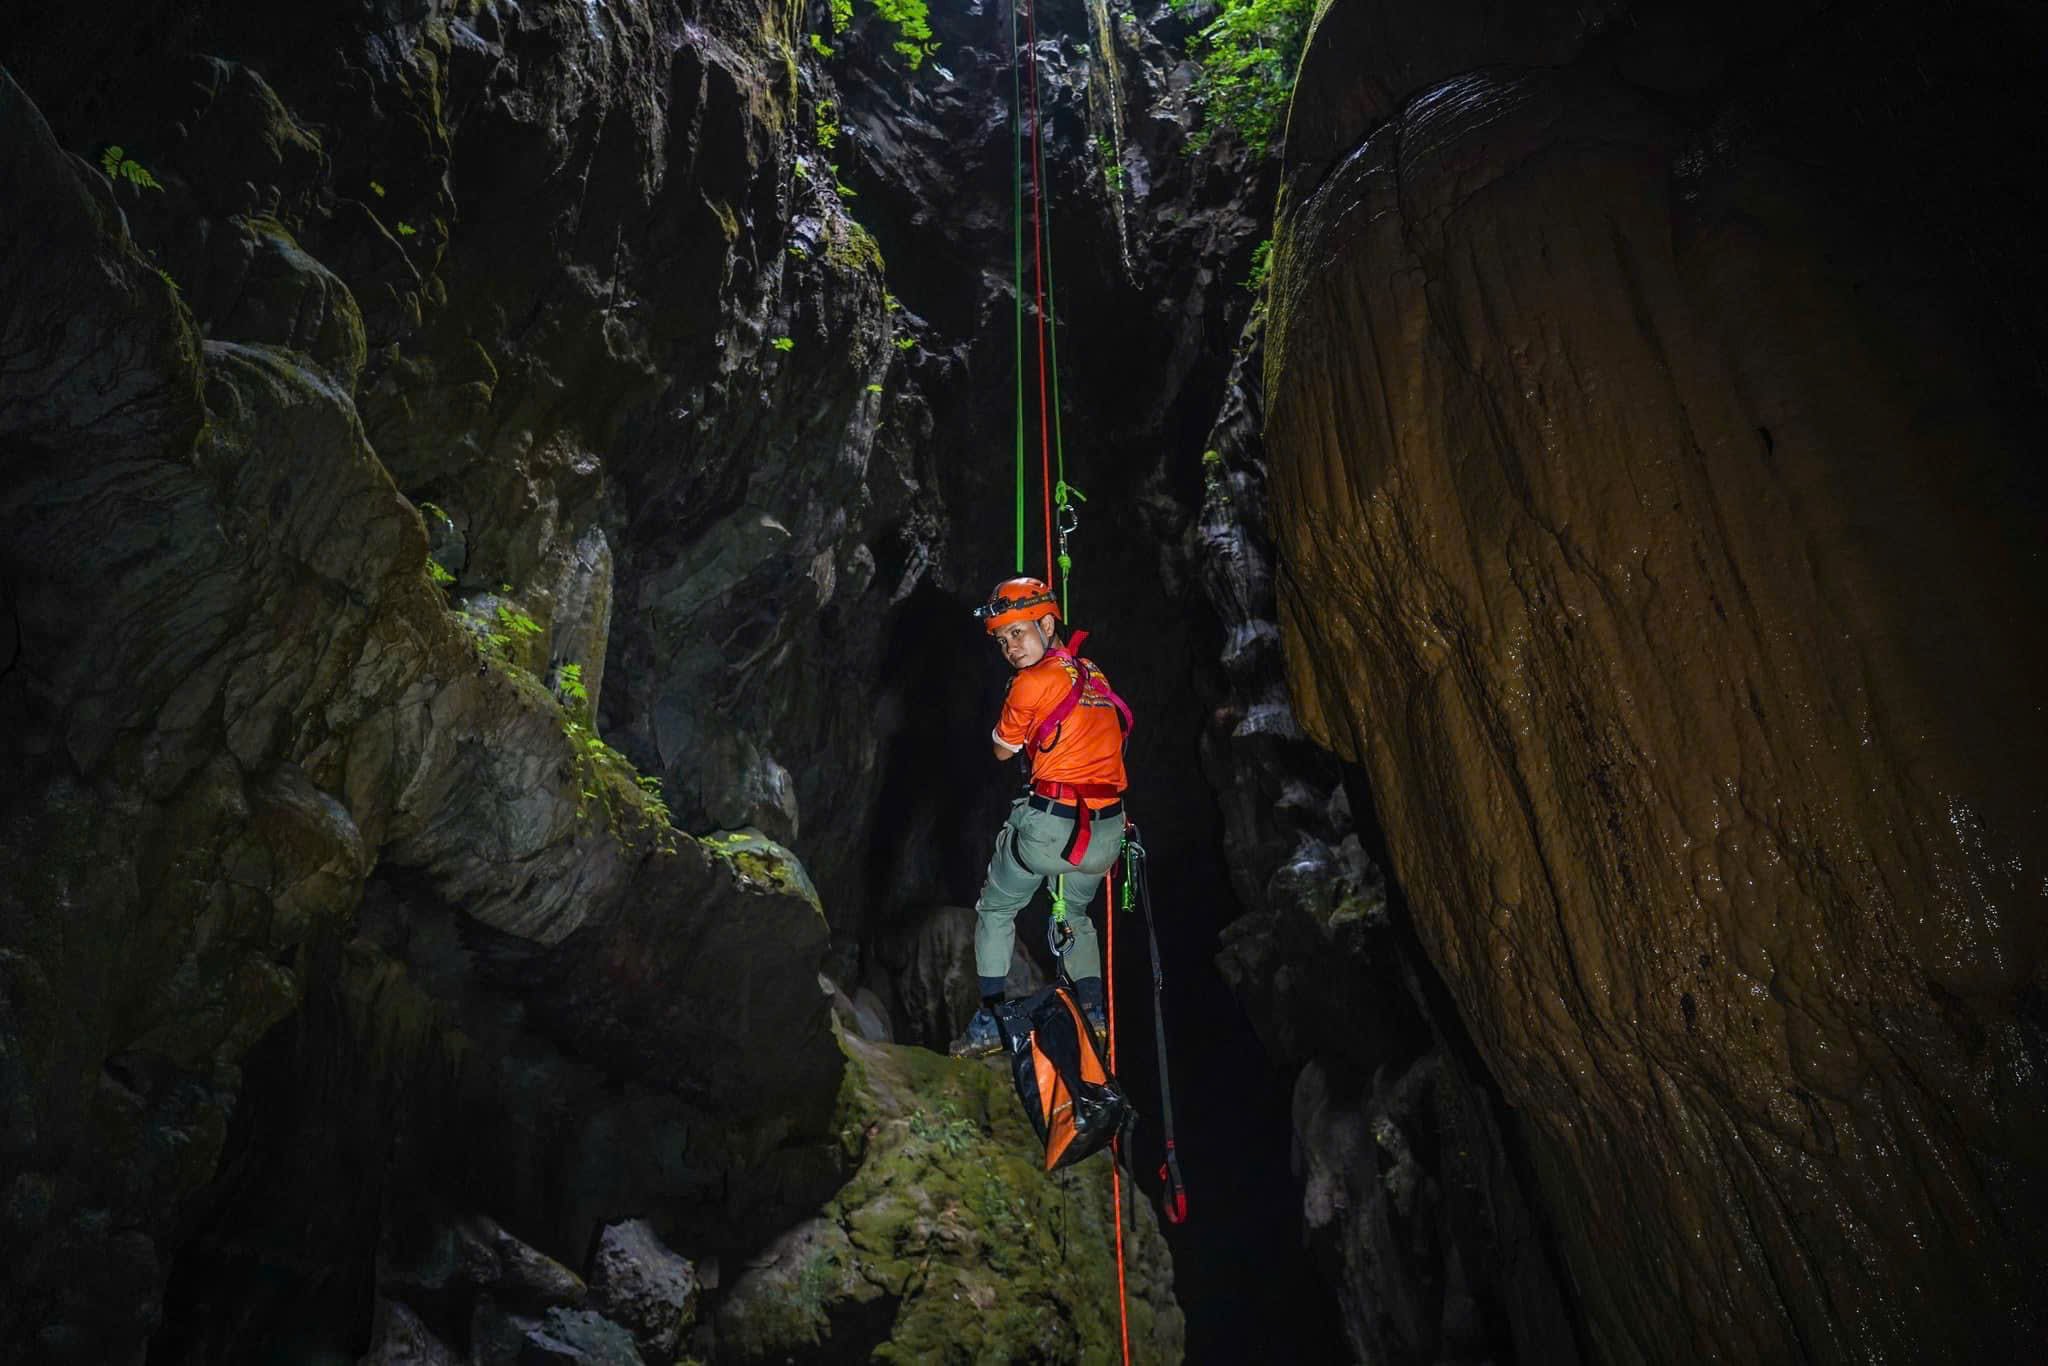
981,1037
1094,1008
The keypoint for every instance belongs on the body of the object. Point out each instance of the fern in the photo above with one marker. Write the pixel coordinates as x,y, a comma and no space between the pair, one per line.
517,623
569,682
1262,266
120,166
913,26
784,343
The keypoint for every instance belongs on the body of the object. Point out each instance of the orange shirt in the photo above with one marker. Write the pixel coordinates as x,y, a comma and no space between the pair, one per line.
1088,747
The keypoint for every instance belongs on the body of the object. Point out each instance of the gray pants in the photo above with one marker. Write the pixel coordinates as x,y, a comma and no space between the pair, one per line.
1027,855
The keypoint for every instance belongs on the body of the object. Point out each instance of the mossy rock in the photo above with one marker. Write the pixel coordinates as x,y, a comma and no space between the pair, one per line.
949,1243
760,863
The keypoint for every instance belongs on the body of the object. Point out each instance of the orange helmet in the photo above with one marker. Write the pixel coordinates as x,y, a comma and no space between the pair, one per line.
1018,600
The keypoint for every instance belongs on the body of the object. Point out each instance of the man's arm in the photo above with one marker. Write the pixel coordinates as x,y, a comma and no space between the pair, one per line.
1022,703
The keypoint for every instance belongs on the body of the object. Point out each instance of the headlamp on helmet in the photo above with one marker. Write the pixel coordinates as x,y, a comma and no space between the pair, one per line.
1018,600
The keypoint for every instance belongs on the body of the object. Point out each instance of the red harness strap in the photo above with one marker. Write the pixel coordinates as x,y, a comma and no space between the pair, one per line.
1077,847
1086,681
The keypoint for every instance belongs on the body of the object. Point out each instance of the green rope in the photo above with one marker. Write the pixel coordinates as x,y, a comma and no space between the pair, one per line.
1017,261
1052,317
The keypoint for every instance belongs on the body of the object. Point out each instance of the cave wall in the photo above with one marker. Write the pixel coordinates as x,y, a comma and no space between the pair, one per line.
480,452
1658,516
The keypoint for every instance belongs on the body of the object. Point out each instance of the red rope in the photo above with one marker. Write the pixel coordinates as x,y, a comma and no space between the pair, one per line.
1116,1177
1038,281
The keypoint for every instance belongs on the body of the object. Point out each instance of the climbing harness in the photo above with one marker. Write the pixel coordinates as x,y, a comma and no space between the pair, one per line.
1087,683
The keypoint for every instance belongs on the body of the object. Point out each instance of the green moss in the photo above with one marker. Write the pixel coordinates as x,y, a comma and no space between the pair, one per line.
991,1258
761,863
852,248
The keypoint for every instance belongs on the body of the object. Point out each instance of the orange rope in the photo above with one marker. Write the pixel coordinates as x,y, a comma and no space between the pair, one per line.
1116,1175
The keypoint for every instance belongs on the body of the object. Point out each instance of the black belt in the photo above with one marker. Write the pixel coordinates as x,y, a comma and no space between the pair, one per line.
1052,807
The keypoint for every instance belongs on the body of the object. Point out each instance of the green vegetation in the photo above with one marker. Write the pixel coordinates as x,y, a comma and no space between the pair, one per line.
784,343
914,28
905,343
406,230
1248,55
874,388
1112,168
569,686
517,623
850,247
607,778
828,124
120,166
376,189
439,573
949,1132
913,22
1262,266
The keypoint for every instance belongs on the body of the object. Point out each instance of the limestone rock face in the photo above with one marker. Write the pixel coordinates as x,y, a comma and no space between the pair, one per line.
1659,538
1409,1188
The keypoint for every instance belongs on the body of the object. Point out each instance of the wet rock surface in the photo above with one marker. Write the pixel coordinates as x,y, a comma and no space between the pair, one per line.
1649,475
469,450
1411,1189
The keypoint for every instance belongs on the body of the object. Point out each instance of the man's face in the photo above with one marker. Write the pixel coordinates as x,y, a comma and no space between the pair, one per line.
1023,642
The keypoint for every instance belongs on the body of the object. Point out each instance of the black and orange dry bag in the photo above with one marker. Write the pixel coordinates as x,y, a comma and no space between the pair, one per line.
1071,1099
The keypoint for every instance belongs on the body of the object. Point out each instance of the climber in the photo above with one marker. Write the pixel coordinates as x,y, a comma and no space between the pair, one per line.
1067,829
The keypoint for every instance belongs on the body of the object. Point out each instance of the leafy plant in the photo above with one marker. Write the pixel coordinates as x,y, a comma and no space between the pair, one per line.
874,388
517,624
914,29
784,343
1112,168
406,230
570,687
1247,55
1262,266
828,124
905,343
376,189
439,573
840,14
165,276
949,1132
651,798
120,166
821,47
